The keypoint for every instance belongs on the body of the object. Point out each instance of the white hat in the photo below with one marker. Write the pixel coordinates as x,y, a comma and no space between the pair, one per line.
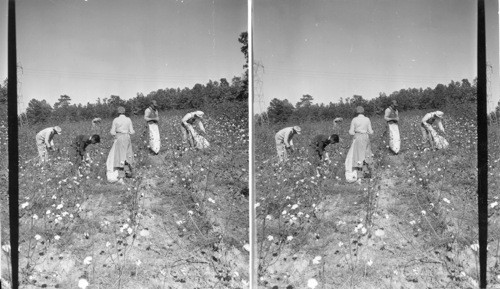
199,113
338,119
439,114
297,129
58,129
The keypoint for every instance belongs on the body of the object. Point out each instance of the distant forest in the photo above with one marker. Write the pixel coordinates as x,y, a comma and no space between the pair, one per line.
456,97
221,93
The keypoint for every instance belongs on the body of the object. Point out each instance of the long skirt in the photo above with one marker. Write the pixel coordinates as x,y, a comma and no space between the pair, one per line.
394,139
199,141
359,153
154,137
120,153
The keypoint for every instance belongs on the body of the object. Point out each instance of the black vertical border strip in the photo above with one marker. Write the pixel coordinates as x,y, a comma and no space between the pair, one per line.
13,144
482,145
252,213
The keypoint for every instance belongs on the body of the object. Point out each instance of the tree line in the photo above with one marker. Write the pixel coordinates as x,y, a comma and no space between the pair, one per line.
457,97
213,94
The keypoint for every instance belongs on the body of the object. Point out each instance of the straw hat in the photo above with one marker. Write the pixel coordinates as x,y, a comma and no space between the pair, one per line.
297,129
199,113
439,114
121,109
58,129
360,109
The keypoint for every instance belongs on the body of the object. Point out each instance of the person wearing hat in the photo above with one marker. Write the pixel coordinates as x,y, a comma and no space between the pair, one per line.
336,125
187,129
391,117
80,145
96,122
428,132
121,156
45,141
318,145
360,154
152,118
284,142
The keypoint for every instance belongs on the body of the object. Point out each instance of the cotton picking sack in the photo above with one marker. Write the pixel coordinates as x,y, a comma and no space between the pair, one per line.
440,142
200,141
394,140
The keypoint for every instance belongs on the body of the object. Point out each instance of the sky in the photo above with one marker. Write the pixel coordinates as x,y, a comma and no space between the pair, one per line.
335,49
91,49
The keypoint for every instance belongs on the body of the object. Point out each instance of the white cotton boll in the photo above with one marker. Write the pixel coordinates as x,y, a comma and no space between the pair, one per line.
295,207
24,205
312,283
38,237
316,260
82,283
247,247
87,260
289,238
270,238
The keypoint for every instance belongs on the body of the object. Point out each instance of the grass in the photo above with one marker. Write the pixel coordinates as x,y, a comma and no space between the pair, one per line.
167,225
413,223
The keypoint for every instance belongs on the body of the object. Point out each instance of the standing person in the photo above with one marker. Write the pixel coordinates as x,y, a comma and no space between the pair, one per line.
284,142
152,118
392,118
428,132
80,145
336,125
318,145
121,156
360,154
45,141
96,125
188,132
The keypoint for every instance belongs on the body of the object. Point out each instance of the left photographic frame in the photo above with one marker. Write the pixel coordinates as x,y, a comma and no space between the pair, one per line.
133,144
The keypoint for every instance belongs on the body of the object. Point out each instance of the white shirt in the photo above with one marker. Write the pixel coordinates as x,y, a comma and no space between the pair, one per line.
390,114
431,118
46,136
285,136
190,119
148,116
360,124
122,124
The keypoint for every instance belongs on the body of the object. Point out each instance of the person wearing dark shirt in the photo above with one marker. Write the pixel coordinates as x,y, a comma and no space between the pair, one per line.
80,144
319,143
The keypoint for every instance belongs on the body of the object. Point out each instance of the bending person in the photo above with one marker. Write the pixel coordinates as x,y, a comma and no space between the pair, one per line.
121,156
284,142
152,119
360,156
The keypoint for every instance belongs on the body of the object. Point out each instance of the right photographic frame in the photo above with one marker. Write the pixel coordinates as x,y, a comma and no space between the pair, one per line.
366,145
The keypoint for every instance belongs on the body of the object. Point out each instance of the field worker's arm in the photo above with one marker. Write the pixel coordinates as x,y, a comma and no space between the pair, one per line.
370,130
48,139
387,114
200,125
440,125
131,129
186,118
426,117
113,128
287,139
351,129
397,115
